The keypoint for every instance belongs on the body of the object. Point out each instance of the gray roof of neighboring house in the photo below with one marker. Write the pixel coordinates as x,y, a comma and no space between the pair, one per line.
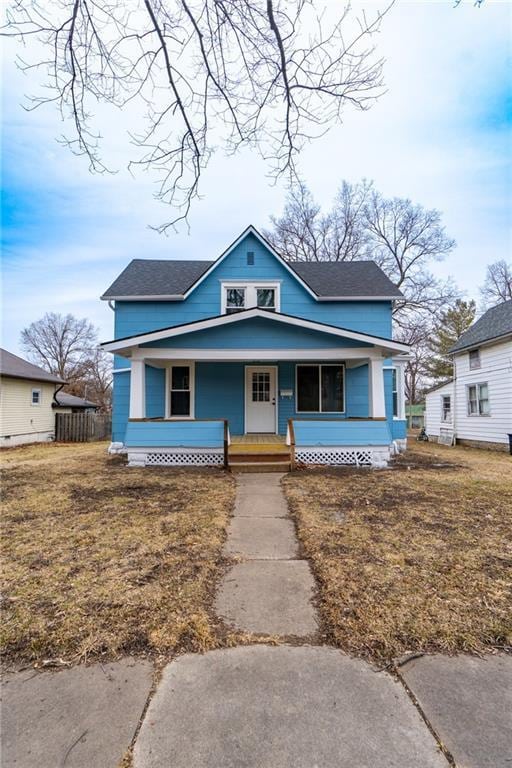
17,368
494,323
439,386
65,400
157,277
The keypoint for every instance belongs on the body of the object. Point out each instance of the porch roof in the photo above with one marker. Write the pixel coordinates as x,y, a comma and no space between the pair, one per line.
127,345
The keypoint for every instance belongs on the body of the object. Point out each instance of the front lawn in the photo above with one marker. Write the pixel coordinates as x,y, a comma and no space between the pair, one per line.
101,559
415,558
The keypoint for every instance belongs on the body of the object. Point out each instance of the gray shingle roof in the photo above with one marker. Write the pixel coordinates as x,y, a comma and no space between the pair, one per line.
152,277
64,399
346,278
156,277
17,368
496,322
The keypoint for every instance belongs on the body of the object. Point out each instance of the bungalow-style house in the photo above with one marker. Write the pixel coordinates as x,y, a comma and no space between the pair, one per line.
27,394
475,406
298,358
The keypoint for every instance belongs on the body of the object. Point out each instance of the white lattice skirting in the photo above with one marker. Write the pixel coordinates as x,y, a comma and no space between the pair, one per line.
176,457
337,456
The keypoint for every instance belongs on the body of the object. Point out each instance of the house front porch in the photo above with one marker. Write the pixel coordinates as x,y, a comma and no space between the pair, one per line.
319,395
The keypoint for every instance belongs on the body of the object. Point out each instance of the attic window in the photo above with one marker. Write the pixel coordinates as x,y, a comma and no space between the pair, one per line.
474,359
250,258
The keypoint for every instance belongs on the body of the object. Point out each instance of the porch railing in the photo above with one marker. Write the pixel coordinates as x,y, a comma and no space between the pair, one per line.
353,432
178,433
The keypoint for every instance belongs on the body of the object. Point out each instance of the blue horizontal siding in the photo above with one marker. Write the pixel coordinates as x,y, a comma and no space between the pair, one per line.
257,334
180,434
398,429
308,433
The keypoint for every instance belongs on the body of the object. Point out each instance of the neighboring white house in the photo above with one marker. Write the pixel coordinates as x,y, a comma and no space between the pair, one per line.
66,403
26,397
475,407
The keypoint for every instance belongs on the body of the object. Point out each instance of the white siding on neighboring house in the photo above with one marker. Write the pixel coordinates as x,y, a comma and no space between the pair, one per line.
433,409
20,420
495,371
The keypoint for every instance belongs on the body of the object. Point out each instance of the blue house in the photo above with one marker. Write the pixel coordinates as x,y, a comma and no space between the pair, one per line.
214,357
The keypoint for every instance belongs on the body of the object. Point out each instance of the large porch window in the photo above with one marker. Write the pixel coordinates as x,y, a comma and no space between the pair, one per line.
320,388
180,391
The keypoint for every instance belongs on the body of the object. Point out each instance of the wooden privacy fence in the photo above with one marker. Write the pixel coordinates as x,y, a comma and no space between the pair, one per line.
82,427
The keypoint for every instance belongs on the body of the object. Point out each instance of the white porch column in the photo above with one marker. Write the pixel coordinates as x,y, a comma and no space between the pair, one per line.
376,388
138,389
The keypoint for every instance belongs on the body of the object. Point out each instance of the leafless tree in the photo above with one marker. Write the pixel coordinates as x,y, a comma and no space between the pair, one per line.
404,240
303,233
60,343
498,284
94,381
270,75
417,333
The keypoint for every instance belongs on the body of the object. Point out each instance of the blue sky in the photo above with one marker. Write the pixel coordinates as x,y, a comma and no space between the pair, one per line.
441,135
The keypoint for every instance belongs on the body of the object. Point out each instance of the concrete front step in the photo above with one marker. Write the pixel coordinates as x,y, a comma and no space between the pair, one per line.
260,466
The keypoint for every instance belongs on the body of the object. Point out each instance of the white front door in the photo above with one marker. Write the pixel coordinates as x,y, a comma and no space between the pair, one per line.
260,399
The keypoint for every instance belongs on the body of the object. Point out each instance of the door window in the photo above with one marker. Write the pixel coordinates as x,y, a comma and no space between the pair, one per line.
261,387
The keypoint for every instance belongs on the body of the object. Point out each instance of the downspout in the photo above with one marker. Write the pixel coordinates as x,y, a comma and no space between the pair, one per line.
57,390
454,417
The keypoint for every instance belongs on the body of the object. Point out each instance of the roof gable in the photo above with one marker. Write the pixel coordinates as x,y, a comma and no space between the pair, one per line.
175,280
493,324
118,345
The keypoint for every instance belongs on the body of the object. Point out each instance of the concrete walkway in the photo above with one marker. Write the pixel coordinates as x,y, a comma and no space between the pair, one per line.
269,591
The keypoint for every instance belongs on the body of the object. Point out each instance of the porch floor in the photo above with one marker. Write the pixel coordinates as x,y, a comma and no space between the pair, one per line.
258,438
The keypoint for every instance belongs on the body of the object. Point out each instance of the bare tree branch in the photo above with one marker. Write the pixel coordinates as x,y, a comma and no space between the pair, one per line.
203,73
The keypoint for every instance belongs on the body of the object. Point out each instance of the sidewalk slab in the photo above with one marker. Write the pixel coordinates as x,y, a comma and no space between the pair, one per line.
281,707
268,504
77,718
269,597
261,538
468,701
259,480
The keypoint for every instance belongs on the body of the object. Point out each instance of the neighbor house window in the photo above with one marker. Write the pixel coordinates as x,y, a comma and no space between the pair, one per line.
235,300
446,408
236,297
36,397
320,389
181,391
474,359
478,400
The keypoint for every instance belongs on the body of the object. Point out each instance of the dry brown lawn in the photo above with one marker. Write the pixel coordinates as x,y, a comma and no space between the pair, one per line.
411,559
100,559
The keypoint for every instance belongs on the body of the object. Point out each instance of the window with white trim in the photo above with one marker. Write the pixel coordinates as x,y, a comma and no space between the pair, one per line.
478,399
474,359
395,392
235,300
446,408
320,388
236,297
181,396
36,397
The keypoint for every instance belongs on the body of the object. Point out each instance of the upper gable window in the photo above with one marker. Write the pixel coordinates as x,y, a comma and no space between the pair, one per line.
235,300
474,359
238,296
